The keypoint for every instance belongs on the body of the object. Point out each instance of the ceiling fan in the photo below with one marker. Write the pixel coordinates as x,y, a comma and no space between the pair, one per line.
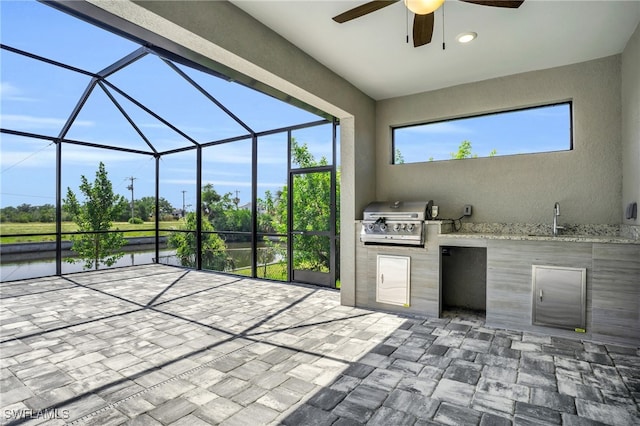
423,10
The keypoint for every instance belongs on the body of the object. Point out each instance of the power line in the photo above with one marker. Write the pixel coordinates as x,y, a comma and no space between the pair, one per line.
26,158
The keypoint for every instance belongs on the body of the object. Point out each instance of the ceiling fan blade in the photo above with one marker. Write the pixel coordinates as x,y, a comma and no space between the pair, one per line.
362,10
511,4
422,29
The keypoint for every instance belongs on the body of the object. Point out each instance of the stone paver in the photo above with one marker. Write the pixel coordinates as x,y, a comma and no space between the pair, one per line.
158,345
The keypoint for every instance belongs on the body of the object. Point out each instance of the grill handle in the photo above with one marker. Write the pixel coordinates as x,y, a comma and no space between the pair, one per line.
392,215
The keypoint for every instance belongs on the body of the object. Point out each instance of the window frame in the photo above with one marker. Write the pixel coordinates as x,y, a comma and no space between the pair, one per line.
568,102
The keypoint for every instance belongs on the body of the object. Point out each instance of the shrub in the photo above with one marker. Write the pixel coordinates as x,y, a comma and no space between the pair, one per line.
136,221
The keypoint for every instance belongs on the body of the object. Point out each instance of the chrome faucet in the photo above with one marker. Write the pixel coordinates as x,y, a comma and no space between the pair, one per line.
556,213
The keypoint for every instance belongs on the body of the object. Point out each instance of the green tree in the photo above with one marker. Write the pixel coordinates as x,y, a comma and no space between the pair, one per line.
123,210
214,251
268,222
267,213
224,215
464,151
45,213
398,157
165,206
8,214
311,211
94,217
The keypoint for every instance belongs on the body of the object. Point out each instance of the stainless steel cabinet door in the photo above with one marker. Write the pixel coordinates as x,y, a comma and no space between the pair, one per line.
393,279
559,296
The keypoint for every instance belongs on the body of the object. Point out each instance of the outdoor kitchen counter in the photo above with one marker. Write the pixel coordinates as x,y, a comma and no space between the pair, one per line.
447,237
612,263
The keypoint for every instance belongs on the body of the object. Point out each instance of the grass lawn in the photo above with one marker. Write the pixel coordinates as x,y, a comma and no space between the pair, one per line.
275,271
142,230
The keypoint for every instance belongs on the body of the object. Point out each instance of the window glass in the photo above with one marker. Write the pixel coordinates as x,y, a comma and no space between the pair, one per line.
524,131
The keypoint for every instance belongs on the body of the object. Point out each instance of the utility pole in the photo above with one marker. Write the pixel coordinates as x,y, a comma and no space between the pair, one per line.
184,212
237,199
130,188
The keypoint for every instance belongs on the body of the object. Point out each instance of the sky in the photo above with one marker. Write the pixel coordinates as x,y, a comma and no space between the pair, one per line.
38,98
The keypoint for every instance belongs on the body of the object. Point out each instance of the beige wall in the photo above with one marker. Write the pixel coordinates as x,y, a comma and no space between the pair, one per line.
587,181
631,124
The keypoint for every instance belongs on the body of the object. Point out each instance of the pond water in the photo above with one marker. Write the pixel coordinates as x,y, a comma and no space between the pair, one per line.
32,265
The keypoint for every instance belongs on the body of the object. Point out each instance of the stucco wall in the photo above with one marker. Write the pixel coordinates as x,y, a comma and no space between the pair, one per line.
587,181
631,124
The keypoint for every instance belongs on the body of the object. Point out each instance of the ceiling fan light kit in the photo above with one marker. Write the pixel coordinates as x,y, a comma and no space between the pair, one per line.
423,14
423,7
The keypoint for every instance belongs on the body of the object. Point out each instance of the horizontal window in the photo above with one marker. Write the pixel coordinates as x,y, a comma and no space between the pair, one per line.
524,131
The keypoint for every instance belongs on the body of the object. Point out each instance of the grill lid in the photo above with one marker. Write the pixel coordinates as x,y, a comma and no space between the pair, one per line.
407,210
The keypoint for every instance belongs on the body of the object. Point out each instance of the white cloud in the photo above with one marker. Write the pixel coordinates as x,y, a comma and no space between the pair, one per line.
42,159
71,155
230,159
77,155
8,89
218,183
13,93
189,182
239,184
13,121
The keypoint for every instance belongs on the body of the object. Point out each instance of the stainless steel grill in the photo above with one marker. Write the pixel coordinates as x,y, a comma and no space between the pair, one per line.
397,222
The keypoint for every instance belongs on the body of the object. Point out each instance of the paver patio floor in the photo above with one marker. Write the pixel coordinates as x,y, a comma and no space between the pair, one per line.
158,345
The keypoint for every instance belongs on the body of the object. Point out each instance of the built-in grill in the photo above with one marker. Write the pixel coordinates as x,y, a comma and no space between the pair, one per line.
395,222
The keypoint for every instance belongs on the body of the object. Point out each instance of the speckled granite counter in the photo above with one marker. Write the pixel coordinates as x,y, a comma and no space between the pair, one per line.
566,238
614,234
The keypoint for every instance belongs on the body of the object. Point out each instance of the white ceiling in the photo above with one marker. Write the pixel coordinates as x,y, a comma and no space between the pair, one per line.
371,51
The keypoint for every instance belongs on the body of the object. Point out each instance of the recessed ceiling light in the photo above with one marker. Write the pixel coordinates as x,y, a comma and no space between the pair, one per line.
466,37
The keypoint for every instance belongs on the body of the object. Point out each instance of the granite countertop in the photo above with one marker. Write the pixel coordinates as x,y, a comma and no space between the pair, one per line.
533,237
576,233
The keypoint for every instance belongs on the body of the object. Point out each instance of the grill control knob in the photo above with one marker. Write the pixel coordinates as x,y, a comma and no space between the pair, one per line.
410,227
396,227
383,227
370,226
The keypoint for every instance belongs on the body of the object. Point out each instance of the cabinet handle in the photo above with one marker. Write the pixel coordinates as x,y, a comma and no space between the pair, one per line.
541,295
382,278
